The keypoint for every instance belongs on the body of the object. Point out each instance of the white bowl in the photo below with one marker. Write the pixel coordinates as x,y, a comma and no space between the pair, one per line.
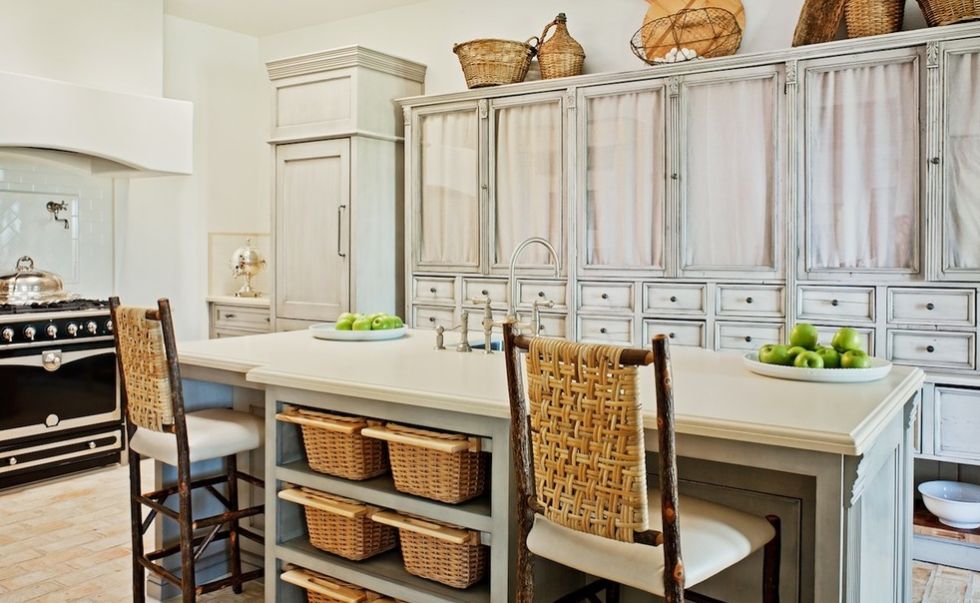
956,504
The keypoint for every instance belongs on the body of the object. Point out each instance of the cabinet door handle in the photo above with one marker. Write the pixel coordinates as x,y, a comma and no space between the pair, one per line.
229,316
340,230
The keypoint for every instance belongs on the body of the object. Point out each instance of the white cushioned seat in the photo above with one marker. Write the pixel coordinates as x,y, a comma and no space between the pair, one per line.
713,538
211,433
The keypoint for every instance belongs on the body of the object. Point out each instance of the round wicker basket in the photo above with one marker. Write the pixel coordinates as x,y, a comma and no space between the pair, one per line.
490,62
709,32
873,17
947,12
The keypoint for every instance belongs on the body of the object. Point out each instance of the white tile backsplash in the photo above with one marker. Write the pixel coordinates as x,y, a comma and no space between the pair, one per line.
82,254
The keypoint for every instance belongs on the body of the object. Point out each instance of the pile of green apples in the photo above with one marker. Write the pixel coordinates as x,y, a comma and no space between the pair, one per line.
804,350
379,321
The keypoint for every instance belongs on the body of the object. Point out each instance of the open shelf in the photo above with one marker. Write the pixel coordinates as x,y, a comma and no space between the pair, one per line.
380,491
384,574
927,524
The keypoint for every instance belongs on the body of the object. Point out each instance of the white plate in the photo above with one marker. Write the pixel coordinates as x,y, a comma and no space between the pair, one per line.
878,370
327,330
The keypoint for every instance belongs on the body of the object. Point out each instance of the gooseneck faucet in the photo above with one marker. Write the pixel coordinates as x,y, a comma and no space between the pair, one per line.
512,281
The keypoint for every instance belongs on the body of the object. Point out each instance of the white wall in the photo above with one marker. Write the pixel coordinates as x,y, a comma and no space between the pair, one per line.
111,44
425,32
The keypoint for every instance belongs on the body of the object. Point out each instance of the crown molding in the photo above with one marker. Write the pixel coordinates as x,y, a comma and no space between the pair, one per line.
345,57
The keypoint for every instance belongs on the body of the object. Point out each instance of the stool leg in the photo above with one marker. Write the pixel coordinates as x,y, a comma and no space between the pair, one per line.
136,526
233,542
612,592
770,564
187,580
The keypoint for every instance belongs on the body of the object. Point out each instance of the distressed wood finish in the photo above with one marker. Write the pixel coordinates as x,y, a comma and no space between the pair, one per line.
673,561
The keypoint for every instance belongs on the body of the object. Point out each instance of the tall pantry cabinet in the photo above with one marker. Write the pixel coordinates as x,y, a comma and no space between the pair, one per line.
337,146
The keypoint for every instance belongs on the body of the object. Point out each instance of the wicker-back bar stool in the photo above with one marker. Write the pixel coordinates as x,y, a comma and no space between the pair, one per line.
159,428
582,496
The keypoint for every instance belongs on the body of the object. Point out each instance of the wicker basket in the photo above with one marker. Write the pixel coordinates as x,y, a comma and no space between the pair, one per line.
335,446
324,589
437,551
489,62
873,17
341,526
947,12
561,55
709,32
445,467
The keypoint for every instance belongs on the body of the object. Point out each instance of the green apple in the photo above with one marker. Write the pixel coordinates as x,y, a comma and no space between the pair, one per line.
855,359
392,322
846,339
345,324
804,335
397,321
830,356
808,359
382,323
773,353
362,324
346,316
793,352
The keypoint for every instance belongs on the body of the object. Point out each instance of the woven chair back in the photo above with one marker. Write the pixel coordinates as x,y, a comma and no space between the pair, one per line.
586,432
143,362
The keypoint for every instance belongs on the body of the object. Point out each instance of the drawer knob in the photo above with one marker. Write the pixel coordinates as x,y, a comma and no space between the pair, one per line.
484,292
834,302
541,294
540,328
935,161
673,176
432,289
748,300
673,298
930,306
229,316
602,330
930,349
604,296
432,319
671,335
748,339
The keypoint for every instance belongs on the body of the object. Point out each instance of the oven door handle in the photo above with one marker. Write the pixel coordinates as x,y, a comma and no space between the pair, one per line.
52,360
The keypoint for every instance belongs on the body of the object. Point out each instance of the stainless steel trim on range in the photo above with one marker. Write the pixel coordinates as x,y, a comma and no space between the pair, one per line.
60,450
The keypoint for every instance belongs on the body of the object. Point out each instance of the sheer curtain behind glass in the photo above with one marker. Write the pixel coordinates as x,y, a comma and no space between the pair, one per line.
450,204
625,180
527,182
863,168
731,160
963,161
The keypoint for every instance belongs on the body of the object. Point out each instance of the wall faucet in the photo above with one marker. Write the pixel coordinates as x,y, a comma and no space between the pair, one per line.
512,282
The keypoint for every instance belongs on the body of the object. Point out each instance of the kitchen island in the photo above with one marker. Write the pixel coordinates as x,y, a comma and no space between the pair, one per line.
833,461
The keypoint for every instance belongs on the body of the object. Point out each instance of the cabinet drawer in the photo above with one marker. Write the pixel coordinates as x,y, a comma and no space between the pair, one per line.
615,297
530,291
746,336
957,413
424,317
680,332
867,336
552,325
606,329
853,304
750,300
435,290
932,348
255,320
667,298
477,290
932,306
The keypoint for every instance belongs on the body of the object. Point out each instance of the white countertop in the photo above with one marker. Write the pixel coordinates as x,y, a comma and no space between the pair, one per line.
714,394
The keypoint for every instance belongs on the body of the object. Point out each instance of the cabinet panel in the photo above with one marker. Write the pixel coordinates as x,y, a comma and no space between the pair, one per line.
746,336
949,307
957,423
606,297
530,291
606,329
675,298
429,317
478,290
448,208
621,177
749,300
527,178
862,168
312,230
680,332
836,303
729,189
435,289
932,349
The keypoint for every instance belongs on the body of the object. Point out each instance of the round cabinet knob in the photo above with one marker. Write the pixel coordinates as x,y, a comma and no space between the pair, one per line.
674,176
604,296
935,161
484,292
748,339
602,330
671,335
72,329
541,294
540,328
673,299
91,327
7,334
834,303
52,331
748,300
930,306
432,319
229,316
930,349
432,290
29,333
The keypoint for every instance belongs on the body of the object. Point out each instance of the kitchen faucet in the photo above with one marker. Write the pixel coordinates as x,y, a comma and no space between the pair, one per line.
512,281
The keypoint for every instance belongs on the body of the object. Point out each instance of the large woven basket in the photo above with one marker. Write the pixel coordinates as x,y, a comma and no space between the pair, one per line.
560,55
335,446
947,12
438,551
490,62
324,589
341,526
873,17
442,466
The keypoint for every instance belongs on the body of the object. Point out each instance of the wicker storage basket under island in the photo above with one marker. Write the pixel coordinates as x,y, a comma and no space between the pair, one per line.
324,589
342,526
446,467
947,12
335,446
437,551
489,62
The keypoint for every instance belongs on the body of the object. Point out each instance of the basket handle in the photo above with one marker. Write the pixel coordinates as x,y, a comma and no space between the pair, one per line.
307,498
534,47
419,526
451,447
544,34
296,416
324,586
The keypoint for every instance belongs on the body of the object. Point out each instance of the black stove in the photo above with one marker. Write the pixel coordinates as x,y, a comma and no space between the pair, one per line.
56,306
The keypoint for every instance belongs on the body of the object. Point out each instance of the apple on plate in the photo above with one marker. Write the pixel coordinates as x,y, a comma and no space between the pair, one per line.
774,353
795,351
846,339
855,359
808,359
362,324
344,324
805,336
830,356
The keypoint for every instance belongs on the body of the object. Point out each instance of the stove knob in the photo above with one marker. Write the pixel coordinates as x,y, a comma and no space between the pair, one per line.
108,326
52,331
7,334
91,327
72,329
13,460
29,333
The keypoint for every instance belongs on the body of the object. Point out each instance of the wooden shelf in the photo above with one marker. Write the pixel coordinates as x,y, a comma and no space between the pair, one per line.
384,574
380,491
927,524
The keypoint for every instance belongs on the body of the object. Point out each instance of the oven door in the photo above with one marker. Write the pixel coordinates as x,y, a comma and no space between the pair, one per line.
45,390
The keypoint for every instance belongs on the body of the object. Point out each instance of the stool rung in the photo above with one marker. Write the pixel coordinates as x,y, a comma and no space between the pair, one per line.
226,517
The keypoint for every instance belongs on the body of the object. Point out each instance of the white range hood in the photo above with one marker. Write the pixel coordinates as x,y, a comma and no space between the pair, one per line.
111,133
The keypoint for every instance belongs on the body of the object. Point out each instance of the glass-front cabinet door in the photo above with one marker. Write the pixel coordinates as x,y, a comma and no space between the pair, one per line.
448,200
731,163
960,161
621,172
862,171
527,183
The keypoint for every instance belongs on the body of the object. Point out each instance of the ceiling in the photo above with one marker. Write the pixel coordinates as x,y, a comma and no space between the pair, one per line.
266,17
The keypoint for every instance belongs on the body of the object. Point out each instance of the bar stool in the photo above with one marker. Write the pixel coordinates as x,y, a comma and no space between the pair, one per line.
159,428
582,496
